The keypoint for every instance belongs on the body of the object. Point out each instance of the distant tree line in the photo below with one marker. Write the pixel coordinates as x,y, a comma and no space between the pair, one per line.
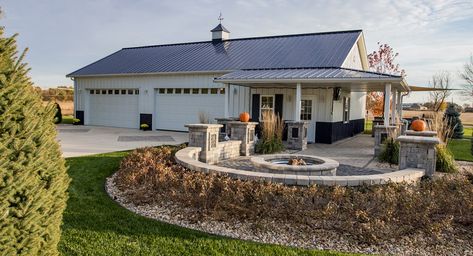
60,93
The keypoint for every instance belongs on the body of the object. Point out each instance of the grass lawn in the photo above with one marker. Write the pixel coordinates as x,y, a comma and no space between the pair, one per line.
95,225
461,149
67,119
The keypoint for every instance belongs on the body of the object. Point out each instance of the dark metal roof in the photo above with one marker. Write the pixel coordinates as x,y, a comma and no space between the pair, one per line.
327,49
219,27
303,74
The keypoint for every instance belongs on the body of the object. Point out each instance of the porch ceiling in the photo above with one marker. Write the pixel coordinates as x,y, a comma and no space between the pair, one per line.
349,79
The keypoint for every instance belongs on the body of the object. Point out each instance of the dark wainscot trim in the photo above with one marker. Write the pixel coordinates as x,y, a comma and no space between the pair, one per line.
329,133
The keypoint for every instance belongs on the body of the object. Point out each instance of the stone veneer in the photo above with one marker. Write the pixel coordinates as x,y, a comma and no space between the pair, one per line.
188,157
418,152
297,134
381,132
245,133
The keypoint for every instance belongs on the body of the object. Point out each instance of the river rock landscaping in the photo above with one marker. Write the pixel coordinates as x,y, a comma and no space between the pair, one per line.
432,217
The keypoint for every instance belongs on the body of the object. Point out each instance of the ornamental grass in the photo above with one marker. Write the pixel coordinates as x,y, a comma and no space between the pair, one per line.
371,215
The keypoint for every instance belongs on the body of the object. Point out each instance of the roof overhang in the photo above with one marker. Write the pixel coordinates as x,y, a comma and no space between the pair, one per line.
353,80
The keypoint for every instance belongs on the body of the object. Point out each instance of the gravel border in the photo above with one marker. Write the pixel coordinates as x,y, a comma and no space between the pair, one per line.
287,234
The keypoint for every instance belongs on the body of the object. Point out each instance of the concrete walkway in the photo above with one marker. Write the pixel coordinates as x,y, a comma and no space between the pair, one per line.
355,151
88,140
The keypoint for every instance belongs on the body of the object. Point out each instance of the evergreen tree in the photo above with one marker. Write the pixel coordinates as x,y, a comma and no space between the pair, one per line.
452,115
33,177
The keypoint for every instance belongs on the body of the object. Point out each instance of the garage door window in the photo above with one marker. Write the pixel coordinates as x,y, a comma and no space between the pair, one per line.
195,91
178,90
213,91
187,91
92,91
161,90
222,90
205,91
170,91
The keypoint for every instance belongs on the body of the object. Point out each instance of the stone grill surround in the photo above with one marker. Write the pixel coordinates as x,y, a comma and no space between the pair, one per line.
381,132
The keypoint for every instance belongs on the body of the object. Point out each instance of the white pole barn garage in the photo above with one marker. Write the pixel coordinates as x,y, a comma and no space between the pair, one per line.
321,78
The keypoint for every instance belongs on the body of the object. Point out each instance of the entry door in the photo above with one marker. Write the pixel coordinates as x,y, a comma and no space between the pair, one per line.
308,114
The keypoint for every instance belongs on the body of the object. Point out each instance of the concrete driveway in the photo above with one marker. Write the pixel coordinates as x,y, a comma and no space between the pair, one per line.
88,140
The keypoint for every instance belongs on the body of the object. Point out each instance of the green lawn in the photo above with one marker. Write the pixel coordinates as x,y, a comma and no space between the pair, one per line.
461,149
95,225
67,119
368,126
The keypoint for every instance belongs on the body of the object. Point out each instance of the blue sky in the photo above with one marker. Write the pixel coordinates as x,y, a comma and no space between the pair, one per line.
64,35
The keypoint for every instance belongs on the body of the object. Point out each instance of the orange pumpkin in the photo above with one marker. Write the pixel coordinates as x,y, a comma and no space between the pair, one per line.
244,117
418,125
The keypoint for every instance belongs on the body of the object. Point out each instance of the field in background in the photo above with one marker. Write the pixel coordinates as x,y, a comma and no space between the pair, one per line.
467,118
67,107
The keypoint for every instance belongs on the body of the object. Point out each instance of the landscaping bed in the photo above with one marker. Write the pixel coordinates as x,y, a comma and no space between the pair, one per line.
434,217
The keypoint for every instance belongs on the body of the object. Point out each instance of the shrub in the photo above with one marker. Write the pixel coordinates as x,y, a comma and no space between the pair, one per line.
445,160
58,114
33,178
271,134
452,116
390,151
366,214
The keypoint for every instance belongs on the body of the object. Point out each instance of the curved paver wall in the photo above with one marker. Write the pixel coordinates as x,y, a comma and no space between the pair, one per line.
188,158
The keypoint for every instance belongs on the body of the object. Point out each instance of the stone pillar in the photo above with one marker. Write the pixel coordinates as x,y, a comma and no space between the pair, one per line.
205,136
297,134
225,130
418,152
423,133
381,132
244,132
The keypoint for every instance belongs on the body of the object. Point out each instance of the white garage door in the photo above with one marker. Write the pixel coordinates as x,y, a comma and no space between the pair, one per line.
176,107
113,107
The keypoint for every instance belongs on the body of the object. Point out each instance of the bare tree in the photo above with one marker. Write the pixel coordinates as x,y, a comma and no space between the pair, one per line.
467,75
441,82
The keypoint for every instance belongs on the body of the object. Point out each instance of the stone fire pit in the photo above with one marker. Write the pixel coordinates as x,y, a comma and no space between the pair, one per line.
282,163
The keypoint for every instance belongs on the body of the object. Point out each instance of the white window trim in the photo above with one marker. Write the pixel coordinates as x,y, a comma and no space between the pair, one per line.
261,102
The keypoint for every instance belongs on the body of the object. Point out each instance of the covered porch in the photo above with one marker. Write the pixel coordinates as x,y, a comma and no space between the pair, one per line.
331,100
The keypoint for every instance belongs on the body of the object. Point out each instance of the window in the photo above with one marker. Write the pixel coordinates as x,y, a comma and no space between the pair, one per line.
137,91
306,110
205,90
169,90
195,91
92,91
346,109
123,91
117,91
213,91
178,90
267,104
162,90
104,91
187,90
97,91
130,91
110,91
222,90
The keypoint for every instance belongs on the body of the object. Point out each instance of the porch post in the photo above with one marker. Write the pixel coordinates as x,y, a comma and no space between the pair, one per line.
394,107
297,113
387,99
227,95
399,105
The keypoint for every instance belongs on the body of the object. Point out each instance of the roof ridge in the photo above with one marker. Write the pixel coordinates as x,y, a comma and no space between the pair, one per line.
249,38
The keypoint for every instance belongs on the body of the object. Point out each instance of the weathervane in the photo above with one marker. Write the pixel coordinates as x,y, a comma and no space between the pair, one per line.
220,18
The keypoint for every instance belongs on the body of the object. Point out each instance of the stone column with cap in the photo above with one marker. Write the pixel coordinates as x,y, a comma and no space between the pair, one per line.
418,152
297,134
381,133
205,136
245,132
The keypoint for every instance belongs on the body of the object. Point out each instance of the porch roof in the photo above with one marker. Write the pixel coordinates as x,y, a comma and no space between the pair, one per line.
314,77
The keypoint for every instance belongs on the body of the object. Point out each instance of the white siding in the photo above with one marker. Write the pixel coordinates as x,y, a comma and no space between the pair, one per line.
357,105
353,59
